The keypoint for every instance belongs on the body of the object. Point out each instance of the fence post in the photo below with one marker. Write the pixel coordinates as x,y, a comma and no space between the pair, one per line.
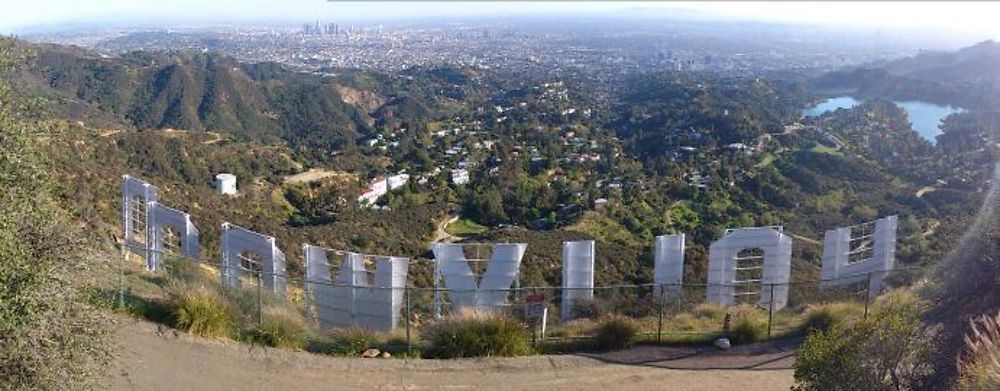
659,318
409,342
121,277
437,290
868,294
260,298
770,311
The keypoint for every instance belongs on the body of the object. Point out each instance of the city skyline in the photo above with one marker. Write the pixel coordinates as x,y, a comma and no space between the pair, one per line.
960,17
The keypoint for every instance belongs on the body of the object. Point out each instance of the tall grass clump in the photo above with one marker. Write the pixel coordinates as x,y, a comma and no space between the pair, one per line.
979,368
710,311
476,334
749,324
616,332
201,311
573,328
280,327
827,316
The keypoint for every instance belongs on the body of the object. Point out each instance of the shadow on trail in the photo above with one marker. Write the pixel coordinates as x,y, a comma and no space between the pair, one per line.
766,356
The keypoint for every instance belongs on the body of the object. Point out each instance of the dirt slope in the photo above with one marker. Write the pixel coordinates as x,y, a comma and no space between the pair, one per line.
155,360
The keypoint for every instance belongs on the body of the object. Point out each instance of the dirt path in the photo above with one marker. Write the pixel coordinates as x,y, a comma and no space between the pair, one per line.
805,239
442,235
315,174
150,360
925,190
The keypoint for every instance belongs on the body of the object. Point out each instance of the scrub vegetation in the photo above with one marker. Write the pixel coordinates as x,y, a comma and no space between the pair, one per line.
51,335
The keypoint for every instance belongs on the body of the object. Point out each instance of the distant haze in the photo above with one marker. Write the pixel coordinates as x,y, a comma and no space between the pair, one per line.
975,18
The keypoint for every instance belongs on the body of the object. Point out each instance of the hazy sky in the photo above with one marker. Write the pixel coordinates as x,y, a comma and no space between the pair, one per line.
977,17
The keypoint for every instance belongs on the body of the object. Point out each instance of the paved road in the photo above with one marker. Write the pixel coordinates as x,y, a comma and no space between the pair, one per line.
151,360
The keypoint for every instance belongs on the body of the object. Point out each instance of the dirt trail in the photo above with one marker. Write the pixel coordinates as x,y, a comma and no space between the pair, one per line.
315,174
152,360
925,190
442,235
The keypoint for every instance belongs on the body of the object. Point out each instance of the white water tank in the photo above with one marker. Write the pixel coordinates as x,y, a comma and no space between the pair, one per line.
225,183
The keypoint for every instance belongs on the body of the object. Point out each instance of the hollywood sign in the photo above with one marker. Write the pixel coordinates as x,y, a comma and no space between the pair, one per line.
744,257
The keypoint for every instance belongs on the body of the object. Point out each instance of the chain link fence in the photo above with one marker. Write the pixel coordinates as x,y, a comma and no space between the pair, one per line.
675,314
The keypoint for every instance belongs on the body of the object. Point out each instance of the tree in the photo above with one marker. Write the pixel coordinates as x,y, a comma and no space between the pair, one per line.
50,337
487,207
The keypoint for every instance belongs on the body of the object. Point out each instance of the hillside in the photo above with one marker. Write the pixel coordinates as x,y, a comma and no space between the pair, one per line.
211,92
675,152
89,166
968,77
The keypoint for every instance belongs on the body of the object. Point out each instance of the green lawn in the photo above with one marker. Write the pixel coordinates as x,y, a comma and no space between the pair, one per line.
820,148
464,227
765,161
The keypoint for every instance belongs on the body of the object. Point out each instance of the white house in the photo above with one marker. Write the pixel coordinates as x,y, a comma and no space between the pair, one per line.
459,176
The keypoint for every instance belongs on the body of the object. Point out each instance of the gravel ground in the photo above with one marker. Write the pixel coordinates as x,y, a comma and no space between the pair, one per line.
152,358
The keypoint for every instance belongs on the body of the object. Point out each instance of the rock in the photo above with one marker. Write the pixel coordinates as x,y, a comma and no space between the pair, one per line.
386,355
370,353
723,343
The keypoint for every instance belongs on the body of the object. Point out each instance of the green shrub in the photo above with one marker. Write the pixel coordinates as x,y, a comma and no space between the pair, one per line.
589,308
203,312
573,328
349,342
280,328
827,316
476,334
749,324
616,332
886,351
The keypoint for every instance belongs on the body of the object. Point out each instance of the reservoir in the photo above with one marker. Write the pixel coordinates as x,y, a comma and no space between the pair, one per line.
925,117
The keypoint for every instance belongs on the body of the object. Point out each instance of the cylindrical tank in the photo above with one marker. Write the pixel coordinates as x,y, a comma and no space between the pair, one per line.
225,183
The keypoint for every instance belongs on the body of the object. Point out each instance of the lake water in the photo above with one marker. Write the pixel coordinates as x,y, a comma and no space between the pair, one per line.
925,117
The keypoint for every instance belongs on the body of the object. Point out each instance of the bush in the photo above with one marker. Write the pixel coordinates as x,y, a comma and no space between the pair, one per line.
280,328
886,351
616,332
827,316
201,311
749,324
979,368
476,334
349,342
